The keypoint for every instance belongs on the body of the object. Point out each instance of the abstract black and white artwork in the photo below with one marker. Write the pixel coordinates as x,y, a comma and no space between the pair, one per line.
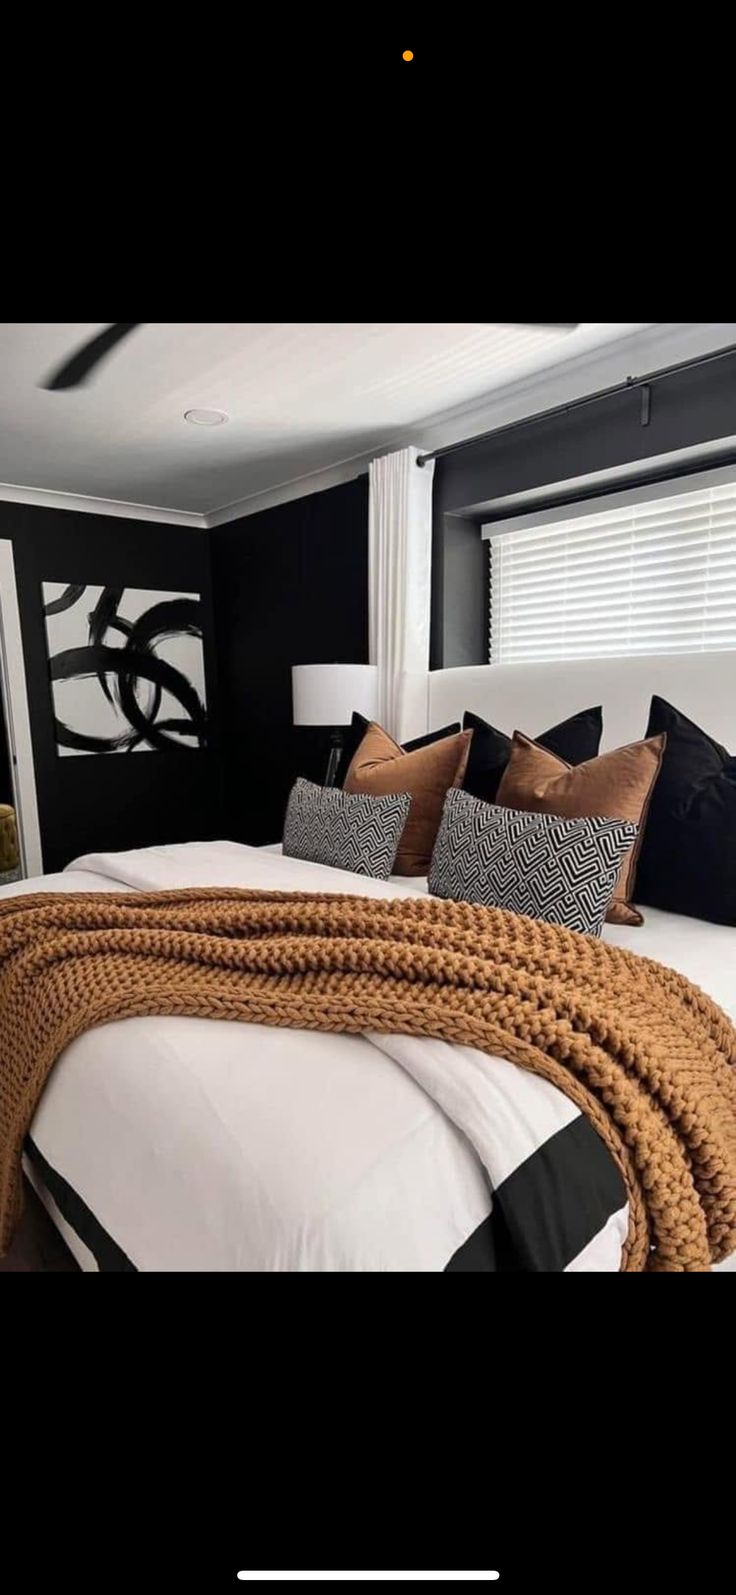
127,669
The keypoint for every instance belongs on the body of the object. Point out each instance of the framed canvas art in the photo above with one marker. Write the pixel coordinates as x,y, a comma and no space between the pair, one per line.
126,667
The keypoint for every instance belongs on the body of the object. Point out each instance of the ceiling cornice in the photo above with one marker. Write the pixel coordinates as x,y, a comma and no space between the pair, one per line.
46,498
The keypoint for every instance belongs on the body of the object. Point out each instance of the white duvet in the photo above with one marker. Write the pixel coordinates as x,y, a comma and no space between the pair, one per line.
203,1145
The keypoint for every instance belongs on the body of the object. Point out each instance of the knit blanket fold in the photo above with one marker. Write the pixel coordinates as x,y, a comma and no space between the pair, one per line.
638,1048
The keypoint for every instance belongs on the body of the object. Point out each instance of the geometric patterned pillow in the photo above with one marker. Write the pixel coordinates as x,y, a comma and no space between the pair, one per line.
541,865
351,831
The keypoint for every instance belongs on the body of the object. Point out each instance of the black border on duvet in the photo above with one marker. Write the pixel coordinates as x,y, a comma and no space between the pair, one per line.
110,1257
544,1214
548,1209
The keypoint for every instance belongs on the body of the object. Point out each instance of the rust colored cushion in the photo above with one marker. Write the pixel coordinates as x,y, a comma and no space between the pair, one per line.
380,766
615,786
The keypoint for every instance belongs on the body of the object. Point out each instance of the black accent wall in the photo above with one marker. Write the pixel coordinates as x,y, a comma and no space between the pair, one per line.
291,587
687,408
111,801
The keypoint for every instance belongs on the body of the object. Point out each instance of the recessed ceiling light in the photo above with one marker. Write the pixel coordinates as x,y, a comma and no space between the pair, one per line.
206,417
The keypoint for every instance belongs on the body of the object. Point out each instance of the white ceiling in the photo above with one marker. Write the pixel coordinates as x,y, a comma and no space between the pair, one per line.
301,396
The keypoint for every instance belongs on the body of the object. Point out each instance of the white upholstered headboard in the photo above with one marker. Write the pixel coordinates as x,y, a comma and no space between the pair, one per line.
533,697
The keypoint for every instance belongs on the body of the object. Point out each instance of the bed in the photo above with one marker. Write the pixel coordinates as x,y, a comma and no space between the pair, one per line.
179,1144
167,1144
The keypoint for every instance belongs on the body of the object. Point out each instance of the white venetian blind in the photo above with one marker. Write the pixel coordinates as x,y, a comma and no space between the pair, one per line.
657,575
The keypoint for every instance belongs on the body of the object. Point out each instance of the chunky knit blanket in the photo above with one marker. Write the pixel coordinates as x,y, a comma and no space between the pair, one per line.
639,1049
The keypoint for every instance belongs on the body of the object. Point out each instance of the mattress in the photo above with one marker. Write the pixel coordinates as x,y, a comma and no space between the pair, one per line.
171,1144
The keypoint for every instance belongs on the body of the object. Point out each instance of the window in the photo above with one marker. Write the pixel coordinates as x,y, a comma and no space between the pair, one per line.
653,572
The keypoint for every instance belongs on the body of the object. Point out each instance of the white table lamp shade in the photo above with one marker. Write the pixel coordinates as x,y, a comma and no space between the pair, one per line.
326,695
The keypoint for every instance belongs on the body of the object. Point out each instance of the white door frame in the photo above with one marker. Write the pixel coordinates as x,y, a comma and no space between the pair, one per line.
17,719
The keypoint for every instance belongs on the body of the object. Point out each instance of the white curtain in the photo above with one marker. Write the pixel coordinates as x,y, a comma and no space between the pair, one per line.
400,568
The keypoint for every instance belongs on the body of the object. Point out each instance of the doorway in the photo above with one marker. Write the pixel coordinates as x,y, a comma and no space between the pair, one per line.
10,867
20,840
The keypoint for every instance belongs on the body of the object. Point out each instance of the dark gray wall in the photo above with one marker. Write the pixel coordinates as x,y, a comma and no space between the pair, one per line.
464,590
290,587
687,408
110,801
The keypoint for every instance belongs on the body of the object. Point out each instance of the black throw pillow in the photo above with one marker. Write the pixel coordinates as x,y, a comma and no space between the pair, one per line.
573,740
432,736
687,862
359,725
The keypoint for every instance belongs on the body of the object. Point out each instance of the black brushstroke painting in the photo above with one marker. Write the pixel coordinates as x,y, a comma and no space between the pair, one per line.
151,701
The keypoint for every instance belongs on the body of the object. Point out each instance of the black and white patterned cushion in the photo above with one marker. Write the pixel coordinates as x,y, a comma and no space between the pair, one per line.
351,831
541,865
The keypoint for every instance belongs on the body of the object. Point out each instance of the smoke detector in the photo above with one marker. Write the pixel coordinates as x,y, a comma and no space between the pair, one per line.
205,417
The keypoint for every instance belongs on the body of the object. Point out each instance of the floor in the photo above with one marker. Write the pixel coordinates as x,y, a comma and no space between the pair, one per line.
37,1247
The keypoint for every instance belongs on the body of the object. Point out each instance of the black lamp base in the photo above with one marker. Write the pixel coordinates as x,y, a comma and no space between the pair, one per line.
333,763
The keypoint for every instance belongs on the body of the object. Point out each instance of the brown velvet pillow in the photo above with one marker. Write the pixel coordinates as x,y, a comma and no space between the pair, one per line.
615,786
380,766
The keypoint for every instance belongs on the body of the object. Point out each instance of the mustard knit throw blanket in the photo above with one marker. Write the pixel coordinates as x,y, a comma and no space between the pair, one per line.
640,1050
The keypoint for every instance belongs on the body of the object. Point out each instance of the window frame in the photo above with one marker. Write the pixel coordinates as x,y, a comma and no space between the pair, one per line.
581,508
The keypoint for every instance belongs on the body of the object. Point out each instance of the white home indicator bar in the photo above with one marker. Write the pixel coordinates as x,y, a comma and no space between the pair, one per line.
447,1578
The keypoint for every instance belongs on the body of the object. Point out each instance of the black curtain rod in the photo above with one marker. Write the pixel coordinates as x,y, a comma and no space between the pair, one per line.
578,404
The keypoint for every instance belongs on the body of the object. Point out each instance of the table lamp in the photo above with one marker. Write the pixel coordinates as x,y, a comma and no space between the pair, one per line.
326,695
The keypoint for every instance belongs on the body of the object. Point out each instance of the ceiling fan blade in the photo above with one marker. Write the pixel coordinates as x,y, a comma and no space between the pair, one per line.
75,371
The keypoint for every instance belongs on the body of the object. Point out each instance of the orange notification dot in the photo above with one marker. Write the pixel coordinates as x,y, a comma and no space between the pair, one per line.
408,55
